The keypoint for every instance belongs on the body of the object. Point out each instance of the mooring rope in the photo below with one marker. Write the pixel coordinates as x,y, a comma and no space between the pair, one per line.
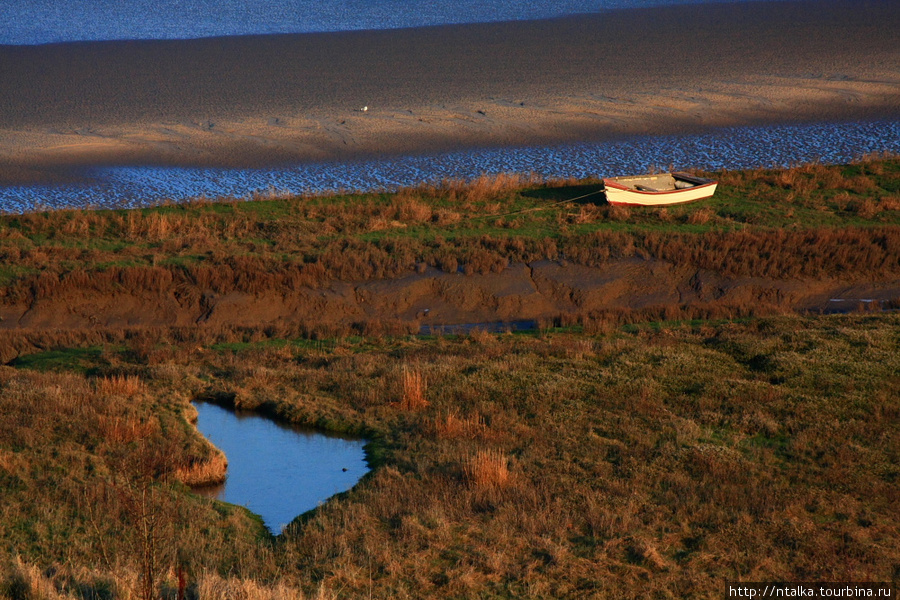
536,208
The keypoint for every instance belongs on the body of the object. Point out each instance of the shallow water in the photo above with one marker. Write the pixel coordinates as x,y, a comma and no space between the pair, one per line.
45,21
727,148
277,471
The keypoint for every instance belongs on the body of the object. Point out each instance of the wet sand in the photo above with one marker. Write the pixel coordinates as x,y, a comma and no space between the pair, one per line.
260,100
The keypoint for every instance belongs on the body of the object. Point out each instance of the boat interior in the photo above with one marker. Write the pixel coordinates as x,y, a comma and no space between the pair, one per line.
662,182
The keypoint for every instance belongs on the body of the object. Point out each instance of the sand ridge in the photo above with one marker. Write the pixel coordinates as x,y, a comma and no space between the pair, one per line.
260,100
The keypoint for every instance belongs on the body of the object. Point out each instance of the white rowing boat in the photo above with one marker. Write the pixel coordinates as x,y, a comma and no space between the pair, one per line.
657,190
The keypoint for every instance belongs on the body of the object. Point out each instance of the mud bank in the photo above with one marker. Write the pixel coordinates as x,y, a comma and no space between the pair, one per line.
540,290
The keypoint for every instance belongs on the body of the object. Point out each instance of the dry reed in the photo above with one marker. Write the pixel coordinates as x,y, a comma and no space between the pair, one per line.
211,471
30,582
452,426
413,395
213,587
487,470
119,430
120,385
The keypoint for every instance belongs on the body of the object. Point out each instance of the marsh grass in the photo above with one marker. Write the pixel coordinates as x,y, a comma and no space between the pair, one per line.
122,385
475,227
670,454
487,470
453,426
211,471
27,581
413,395
662,451
213,587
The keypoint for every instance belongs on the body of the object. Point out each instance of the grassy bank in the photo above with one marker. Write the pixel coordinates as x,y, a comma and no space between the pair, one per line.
661,461
812,220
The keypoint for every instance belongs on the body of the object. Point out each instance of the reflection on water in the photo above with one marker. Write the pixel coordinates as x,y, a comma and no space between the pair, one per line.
728,148
277,471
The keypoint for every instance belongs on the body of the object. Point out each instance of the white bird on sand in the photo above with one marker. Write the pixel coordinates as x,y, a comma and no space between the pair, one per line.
364,108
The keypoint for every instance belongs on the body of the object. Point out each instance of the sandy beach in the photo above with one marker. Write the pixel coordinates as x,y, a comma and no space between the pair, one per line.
259,100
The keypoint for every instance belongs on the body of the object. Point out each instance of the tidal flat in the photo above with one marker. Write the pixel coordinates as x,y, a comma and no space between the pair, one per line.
263,101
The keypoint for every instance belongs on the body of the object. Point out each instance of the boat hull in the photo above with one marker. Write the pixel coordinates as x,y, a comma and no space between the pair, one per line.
621,195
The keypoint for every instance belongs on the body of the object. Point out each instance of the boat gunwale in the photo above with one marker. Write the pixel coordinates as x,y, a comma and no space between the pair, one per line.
619,186
614,183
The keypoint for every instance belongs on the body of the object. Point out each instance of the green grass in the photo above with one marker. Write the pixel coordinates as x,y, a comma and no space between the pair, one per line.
80,360
11,273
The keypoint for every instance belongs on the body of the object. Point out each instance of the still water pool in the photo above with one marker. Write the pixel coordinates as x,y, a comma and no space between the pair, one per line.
275,470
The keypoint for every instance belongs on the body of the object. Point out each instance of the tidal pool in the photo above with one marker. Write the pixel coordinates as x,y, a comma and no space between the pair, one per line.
278,471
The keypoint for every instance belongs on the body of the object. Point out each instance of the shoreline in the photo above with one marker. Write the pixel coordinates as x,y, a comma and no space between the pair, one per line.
271,100
728,149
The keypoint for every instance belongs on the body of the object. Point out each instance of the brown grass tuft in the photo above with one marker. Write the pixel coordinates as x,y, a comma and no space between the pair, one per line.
481,337
865,208
646,553
10,461
487,470
452,426
120,385
618,213
209,472
118,430
212,586
702,216
413,397
890,202
30,582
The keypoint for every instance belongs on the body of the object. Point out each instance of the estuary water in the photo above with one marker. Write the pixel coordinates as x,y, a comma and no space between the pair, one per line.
727,148
29,22
278,471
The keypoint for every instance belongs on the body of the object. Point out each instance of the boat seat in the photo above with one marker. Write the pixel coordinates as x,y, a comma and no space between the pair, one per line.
690,178
645,188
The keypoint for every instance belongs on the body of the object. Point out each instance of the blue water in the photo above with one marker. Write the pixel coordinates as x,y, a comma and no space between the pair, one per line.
45,21
727,148
276,471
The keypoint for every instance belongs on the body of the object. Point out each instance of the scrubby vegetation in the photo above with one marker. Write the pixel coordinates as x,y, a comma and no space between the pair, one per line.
812,220
631,454
660,461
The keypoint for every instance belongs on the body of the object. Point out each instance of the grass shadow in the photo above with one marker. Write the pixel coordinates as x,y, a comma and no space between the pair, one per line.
569,192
